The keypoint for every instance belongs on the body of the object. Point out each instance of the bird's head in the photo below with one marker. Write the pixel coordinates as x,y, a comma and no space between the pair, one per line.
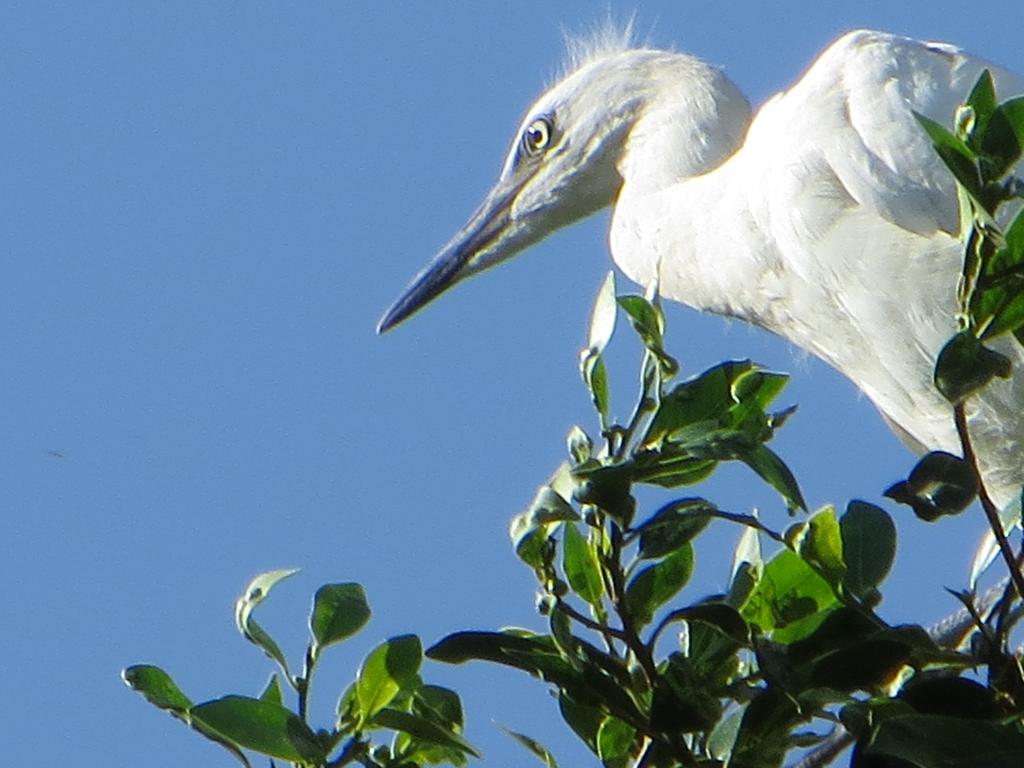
576,145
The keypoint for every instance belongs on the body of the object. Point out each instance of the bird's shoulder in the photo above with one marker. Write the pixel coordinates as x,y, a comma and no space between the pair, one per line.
849,121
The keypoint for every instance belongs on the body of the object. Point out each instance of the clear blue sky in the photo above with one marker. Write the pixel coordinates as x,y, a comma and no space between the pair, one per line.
205,208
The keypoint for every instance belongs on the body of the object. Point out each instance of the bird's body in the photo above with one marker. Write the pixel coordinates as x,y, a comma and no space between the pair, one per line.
827,218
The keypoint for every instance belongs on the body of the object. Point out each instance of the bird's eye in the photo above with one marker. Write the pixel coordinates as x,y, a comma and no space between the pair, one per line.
537,136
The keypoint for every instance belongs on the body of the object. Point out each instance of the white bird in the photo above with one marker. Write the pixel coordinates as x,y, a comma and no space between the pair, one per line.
827,218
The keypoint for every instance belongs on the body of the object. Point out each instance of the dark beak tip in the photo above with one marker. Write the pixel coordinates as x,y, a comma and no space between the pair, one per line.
389,320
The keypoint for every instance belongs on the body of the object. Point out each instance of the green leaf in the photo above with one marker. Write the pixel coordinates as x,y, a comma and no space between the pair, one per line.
774,471
704,400
581,447
261,726
390,668
592,367
530,531
608,487
981,103
952,697
595,376
648,321
615,740
602,319
254,594
669,470
646,318
723,736
747,567
539,656
1003,138
869,546
272,691
965,365
157,687
339,611
822,545
585,720
582,568
930,741
421,728
940,484
763,735
654,585
672,526
511,647
997,305
681,700
789,596
535,747
958,157
722,617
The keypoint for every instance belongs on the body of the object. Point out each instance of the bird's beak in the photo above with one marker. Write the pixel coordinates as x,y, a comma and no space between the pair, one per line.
491,235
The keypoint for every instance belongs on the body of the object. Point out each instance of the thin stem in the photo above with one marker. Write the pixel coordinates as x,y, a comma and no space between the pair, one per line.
989,507
302,683
589,623
351,752
632,639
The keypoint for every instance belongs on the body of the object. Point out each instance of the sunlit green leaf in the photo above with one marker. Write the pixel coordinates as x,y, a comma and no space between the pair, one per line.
584,720
646,319
998,302
254,594
788,592
595,376
672,526
822,544
272,691
706,398
747,567
774,471
581,447
389,668
602,319
261,726
960,158
530,531
723,736
157,687
421,728
615,740
669,471
339,611
981,103
582,568
1003,137
534,746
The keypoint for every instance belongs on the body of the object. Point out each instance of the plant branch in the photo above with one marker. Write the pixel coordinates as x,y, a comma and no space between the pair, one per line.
589,623
989,507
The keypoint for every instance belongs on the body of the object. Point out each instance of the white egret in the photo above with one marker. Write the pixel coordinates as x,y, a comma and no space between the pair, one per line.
827,218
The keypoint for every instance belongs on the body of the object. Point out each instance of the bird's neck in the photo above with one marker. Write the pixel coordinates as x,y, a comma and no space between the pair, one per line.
701,240
683,214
